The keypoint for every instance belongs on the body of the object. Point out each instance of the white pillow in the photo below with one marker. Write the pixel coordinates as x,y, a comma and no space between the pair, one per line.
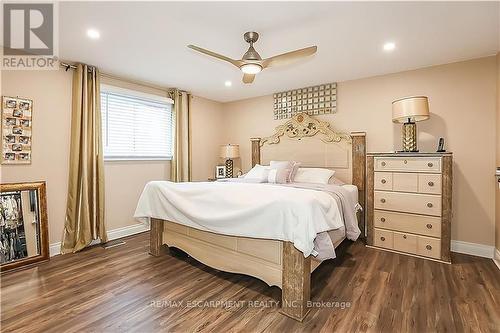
258,173
278,176
313,175
283,165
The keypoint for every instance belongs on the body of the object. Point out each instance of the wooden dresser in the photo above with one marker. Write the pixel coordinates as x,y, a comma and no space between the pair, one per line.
409,203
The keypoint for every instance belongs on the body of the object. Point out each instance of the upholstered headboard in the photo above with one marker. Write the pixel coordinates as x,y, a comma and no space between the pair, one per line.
315,144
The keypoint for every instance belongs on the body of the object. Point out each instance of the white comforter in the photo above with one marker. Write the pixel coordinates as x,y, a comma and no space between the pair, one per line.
288,213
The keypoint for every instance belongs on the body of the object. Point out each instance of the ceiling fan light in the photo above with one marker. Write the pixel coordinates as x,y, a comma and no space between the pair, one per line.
251,68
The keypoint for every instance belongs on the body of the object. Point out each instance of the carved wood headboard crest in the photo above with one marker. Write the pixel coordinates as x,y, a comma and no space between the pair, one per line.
301,126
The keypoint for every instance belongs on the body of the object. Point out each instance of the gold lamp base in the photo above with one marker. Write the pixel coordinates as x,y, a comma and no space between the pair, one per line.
409,136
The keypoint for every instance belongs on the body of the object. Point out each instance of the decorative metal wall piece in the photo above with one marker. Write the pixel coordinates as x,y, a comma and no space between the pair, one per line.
315,100
302,125
16,130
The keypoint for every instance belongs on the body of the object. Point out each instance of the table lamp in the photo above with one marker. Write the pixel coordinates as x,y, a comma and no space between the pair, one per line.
408,111
229,152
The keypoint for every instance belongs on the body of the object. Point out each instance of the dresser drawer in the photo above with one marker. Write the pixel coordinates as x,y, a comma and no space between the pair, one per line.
425,204
383,238
383,181
429,183
405,182
429,247
405,242
417,224
410,164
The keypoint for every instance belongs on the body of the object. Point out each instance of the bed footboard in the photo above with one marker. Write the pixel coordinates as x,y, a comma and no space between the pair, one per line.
292,274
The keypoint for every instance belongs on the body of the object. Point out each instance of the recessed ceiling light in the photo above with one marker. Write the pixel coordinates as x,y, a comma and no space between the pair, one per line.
389,46
93,34
228,83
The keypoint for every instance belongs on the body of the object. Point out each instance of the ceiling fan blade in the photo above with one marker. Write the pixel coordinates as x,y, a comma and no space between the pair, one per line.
248,78
237,63
289,57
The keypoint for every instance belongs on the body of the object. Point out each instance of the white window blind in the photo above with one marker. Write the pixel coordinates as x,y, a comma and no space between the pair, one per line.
135,126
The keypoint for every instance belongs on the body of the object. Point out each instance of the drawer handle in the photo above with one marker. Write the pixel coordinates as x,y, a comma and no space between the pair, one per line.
405,161
429,226
382,200
383,163
382,238
430,165
428,247
430,183
383,181
404,236
382,219
430,205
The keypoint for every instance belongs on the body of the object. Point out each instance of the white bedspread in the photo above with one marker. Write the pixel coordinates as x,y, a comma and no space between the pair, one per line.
290,213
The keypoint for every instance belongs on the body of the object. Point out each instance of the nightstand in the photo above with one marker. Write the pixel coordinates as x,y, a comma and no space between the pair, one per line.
409,203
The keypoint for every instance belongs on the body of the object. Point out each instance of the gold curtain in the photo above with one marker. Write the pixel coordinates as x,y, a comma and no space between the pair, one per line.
181,161
85,205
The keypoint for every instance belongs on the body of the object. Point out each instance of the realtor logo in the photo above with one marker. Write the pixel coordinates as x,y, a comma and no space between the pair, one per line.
28,29
29,36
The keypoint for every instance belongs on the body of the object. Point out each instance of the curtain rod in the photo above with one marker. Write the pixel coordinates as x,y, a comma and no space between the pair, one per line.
69,66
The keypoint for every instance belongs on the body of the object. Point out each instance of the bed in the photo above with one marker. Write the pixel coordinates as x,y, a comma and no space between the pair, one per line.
275,254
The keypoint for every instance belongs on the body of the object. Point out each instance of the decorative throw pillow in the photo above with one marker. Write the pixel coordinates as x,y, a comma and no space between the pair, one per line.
283,165
295,167
278,176
313,175
258,173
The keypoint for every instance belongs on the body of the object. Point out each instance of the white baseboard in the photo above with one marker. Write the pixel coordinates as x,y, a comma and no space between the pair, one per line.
55,248
474,249
496,259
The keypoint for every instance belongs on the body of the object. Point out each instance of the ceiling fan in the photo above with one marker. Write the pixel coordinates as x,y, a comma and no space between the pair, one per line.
251,62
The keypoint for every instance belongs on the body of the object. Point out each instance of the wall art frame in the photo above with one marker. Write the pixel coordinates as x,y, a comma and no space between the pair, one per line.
16,130
314,100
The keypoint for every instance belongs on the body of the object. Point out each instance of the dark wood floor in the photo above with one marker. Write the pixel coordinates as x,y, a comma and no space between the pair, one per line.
124,289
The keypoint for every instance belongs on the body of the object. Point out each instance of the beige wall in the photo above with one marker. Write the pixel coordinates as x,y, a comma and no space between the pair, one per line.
498,155
51,93
207,120
463,103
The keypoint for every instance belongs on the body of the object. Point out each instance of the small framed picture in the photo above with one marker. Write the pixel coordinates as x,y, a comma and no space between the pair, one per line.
24,139
17,113
24,106
11,121
10,156
17,130
220,171
17,147
10,138
24,156
10,103
24,122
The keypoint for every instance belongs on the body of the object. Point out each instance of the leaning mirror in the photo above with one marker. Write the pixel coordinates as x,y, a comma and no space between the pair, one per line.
23,225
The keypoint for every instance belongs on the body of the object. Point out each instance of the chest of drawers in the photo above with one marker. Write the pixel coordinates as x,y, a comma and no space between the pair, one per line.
409,203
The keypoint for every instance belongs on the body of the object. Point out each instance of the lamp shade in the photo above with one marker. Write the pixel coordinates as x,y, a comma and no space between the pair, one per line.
230,151
415,108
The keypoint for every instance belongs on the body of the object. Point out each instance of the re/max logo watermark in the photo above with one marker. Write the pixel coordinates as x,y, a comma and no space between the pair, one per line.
29,36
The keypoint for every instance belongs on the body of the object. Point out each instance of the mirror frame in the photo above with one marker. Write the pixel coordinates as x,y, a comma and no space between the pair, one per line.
40,187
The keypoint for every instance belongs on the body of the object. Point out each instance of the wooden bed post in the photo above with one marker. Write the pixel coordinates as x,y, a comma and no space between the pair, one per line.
359,173
155,237
296,283
255,151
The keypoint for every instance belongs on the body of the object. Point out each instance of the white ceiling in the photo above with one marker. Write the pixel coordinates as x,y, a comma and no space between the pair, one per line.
147,41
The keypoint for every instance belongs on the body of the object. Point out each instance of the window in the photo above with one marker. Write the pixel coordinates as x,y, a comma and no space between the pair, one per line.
136,126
